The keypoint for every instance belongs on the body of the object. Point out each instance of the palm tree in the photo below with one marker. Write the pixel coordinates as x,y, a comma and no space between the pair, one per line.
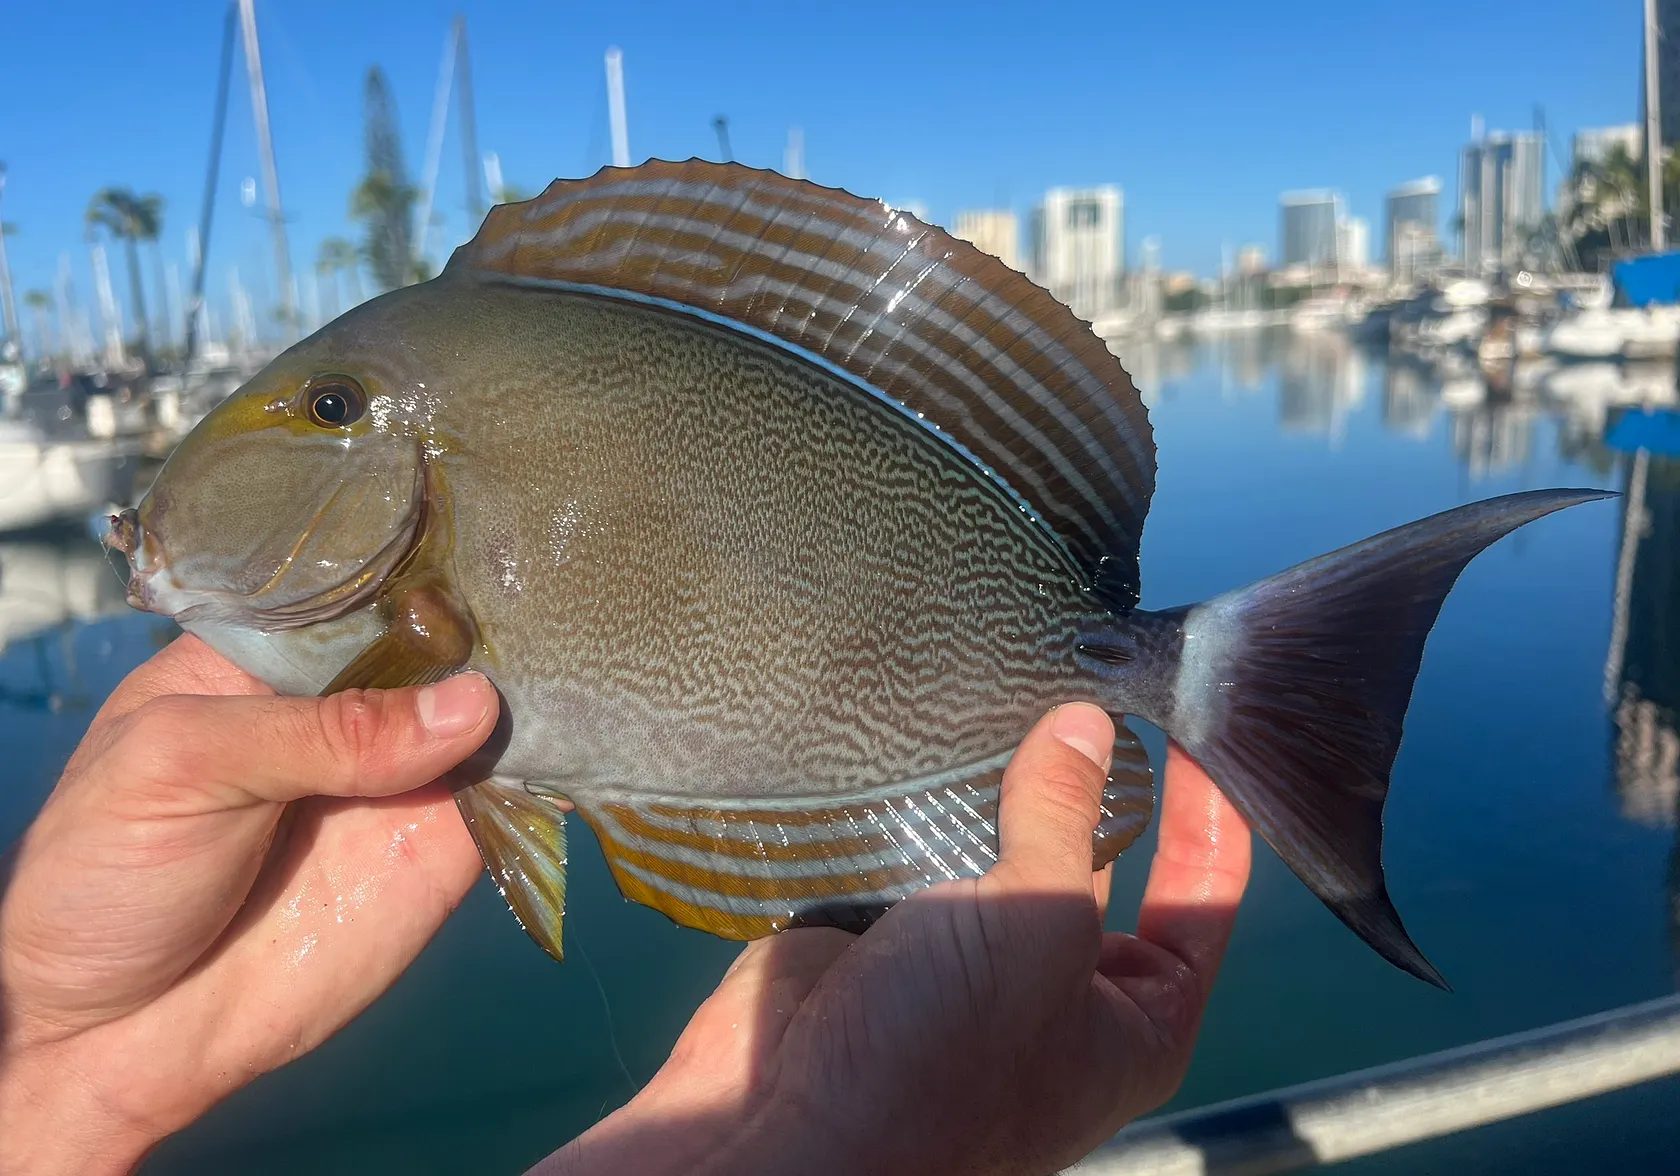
40,303
384,200
386,208
338,256
8,311
131,219
1608,205
326,283
160,285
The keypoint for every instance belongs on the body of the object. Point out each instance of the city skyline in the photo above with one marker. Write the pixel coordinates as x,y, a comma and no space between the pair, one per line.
1202,177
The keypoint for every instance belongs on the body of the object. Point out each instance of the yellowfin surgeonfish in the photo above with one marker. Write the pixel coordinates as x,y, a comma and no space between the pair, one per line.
777,517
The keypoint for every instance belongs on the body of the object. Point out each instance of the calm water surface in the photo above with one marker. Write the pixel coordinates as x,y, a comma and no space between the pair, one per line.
1530,826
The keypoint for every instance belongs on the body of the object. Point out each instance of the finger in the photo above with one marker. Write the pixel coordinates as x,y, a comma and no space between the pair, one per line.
1051,800
1200,870
1101,883
221,752
185,666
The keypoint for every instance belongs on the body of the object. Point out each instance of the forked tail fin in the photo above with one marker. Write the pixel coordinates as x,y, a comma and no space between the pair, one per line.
1291,693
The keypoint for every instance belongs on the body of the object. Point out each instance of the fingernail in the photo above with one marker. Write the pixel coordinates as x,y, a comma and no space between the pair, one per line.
1087,730
454,705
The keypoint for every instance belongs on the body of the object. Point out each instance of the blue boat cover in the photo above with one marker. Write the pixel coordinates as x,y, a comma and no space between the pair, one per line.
1656,431
1642,281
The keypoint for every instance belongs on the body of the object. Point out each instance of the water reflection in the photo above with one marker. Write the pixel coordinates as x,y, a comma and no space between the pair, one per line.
50,584
1410,397
1494,417
1642,671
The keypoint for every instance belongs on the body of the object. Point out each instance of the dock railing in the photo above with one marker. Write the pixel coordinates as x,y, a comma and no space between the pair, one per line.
1389,1106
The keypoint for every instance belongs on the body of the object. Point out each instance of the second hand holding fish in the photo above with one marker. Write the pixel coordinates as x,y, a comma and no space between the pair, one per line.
246,873
984,1025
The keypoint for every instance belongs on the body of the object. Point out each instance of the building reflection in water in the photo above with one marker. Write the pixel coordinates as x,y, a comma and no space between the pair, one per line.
1410,396
1155,365
48,585
1642,670
1321,383
1617,419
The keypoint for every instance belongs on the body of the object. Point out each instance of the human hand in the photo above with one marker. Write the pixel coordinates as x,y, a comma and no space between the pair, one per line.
221,879
982,1026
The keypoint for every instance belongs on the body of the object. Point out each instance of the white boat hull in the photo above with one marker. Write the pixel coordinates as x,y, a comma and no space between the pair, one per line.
45,481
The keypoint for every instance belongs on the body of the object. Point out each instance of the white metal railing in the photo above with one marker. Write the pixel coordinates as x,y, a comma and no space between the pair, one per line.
1421,1098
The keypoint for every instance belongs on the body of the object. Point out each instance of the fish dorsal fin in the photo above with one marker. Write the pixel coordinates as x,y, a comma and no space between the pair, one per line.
960,340
747,870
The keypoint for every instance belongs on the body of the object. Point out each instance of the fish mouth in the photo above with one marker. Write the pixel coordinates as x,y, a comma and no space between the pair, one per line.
154,587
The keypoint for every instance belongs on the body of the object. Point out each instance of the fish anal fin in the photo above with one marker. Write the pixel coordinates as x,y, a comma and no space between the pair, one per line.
522,840
428,635
962,342
744,871
1128,801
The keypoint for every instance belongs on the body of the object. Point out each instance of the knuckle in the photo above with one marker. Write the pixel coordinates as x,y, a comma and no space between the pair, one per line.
352,722
1070,785
160,738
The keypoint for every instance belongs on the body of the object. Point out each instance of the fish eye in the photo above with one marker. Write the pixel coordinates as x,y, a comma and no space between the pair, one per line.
335,401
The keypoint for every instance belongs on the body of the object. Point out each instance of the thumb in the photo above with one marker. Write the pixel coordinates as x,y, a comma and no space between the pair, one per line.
1051,801
235,749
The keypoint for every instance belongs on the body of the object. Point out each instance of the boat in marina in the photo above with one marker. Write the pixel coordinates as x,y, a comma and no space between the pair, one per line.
48,479
69,447
54,580
1634,315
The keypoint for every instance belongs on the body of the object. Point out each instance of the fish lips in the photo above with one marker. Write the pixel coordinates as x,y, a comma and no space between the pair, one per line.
154,587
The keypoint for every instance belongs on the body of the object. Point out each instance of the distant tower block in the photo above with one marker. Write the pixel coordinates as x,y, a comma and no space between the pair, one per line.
793,160
1078,247
615,108
994,231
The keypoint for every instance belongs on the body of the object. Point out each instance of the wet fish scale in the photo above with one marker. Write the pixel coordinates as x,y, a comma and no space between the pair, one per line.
778,589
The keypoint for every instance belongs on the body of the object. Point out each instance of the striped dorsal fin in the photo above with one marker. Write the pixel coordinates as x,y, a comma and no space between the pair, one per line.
964,343
744,872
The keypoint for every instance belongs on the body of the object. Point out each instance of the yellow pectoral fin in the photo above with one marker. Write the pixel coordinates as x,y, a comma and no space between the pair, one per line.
522,840
429,636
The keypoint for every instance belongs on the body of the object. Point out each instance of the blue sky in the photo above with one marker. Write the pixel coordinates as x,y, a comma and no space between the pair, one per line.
1202,112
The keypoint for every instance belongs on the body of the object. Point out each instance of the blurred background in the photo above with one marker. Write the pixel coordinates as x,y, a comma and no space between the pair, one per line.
1364,263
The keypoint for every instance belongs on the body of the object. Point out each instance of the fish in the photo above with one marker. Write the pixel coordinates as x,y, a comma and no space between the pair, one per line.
776,516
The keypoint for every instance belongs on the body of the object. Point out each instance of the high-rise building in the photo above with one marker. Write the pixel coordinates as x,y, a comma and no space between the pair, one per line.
1353,243
1412,241
1416,203
1307,228
992,231
1668,70
1501,198
1078,247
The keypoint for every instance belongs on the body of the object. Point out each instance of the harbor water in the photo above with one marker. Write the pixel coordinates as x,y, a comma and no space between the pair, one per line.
1530,827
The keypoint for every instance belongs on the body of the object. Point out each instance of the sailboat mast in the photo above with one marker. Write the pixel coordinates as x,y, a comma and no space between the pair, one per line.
195,303
434,142
615,108
469,124
1653,129
271,177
